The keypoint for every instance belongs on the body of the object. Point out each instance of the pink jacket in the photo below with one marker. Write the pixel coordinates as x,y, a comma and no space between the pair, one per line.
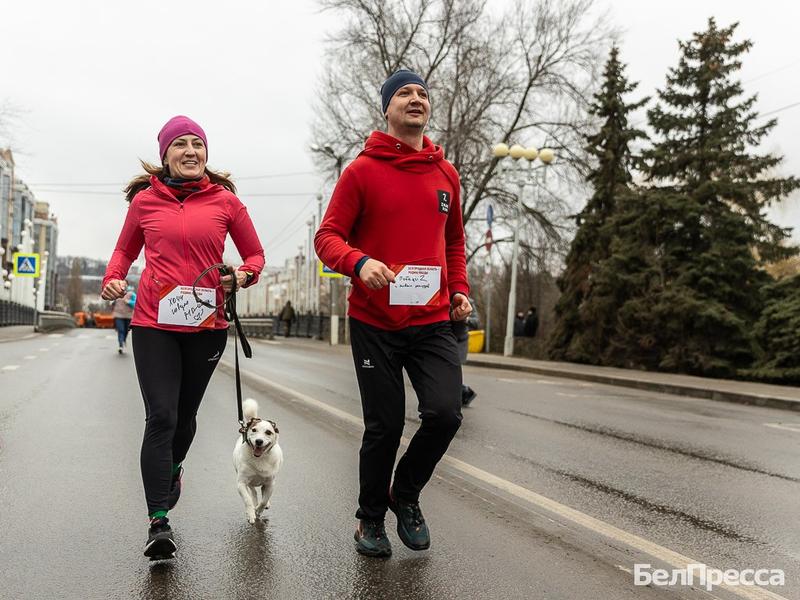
181,239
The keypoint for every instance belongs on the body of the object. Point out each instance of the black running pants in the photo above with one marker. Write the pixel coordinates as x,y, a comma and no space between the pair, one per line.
173,370
429,355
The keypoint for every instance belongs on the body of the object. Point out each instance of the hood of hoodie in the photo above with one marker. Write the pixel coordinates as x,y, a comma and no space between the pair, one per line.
383,146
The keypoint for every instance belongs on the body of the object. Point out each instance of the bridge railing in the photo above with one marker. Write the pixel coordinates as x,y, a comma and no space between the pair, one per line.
13,313
307,326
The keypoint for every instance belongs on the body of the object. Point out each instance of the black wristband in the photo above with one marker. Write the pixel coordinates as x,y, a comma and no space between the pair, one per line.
360,264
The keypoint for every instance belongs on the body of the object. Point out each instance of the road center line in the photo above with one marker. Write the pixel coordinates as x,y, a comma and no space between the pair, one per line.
10,368
670,557
795,427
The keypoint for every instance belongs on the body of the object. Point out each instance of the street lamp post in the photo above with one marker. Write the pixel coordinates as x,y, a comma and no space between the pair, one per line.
523,175
338,158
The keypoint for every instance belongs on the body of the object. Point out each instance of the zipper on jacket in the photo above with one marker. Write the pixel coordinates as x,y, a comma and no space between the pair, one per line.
185,248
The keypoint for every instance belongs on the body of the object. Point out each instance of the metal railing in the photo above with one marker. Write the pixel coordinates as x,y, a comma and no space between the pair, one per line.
304,326
13,313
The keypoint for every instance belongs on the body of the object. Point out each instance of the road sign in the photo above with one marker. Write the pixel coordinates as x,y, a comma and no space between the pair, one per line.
324,271
25,265
489,215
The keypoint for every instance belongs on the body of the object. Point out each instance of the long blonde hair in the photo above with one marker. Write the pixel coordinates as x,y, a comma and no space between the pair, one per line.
142,182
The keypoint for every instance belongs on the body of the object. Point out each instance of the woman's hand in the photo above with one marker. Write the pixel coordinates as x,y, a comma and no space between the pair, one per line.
227,280
114,289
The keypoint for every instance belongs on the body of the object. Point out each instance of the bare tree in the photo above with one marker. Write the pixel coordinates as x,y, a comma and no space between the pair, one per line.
75,287
10,115
523,77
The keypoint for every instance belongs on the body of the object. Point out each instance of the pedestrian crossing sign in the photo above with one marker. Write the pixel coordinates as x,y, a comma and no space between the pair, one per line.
25,265
325,271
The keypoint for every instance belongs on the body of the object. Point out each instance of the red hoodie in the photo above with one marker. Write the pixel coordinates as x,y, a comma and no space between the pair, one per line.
399,206
181,239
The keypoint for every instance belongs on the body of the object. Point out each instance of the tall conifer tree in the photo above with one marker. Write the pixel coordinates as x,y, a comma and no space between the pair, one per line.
701,229
583,320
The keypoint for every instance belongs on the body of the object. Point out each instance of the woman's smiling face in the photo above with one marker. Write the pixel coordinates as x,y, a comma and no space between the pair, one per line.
186,157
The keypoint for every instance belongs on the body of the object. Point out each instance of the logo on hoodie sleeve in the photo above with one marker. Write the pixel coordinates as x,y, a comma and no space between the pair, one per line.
444,201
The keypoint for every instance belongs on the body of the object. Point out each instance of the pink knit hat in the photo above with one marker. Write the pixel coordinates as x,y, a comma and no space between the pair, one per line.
175,128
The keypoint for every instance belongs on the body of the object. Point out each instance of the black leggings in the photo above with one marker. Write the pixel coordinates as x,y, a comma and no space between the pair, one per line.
173,370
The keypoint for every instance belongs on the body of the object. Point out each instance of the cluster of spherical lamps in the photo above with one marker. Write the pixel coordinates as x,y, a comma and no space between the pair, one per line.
546,155
530,154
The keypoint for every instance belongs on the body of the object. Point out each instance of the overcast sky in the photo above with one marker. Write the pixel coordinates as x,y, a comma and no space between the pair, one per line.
96,80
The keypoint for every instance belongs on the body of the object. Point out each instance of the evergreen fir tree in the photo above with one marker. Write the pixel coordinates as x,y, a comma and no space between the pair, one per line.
778,331
583,323
702,229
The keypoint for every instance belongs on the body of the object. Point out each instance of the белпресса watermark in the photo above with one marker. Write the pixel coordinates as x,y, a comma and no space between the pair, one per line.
704,576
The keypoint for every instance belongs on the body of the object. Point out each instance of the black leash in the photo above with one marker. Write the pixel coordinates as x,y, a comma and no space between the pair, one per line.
229,310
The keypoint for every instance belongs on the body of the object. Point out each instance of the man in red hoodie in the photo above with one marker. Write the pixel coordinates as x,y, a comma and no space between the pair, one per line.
394,225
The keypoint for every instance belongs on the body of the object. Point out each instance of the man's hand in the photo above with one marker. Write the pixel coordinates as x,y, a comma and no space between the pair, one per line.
460,308
114,289
226,281
375,274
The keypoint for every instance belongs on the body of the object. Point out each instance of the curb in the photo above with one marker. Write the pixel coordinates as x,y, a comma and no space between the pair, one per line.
676,389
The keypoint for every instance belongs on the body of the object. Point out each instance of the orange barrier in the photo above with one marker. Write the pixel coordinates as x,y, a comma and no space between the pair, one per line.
103,320
80,319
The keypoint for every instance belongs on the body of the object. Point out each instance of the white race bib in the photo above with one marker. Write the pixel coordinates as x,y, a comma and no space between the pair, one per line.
415,285
178,306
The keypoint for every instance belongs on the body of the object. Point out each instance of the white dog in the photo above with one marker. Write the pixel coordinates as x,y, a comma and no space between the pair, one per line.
257,461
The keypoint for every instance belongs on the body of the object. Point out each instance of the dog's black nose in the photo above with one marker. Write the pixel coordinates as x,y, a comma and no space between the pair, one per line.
259,442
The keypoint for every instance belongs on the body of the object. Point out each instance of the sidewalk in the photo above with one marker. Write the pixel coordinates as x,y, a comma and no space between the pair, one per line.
12,333
723,390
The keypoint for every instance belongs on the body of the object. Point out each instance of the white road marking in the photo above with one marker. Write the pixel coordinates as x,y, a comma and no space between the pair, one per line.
83,336
10,368
675,559
110,337
56,335
44,349
795,427
30,358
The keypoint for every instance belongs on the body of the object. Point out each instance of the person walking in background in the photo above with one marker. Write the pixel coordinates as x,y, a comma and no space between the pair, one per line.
395,218
181,212
122,311
531,323
519,324
287,316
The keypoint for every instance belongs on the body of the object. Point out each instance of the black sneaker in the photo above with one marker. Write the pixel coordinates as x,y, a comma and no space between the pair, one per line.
411,525
467,395
160,544
371,539
175,488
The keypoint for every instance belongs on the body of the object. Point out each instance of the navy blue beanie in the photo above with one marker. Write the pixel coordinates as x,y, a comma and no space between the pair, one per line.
395,81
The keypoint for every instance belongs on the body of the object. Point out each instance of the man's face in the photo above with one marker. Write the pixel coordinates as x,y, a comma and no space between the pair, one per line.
409,108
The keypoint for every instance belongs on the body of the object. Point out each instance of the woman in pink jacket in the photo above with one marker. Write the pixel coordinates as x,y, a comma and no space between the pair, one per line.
181,213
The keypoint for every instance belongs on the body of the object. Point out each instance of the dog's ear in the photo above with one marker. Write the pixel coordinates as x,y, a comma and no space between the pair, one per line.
274,426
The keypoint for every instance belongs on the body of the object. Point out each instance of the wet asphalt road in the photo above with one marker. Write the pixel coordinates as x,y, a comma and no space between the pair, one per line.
717,482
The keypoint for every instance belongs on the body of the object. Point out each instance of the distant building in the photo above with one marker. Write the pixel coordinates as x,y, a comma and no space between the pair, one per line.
45,243
22,210
6,202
